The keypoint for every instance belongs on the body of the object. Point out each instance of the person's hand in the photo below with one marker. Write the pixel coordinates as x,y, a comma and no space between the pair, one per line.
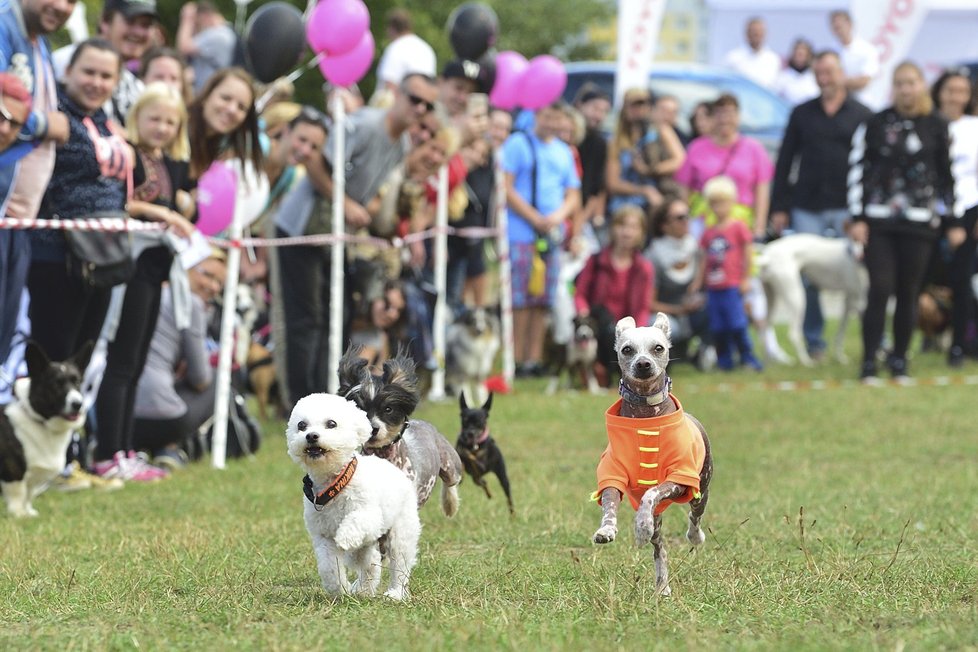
58,130
653,196
188,12
779,221
859,232
692,302
956,236
179,224
356,215
418,256
745,286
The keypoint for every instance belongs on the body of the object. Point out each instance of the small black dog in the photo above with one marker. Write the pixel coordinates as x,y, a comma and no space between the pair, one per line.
478,450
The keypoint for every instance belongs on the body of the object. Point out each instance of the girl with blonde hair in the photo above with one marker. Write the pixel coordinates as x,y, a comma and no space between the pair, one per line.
901,195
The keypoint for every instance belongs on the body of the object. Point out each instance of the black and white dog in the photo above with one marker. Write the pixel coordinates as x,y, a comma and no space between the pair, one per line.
575,358
471,344
35,429
414,446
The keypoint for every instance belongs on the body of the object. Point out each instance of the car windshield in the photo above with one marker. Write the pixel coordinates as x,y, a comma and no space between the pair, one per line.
757,110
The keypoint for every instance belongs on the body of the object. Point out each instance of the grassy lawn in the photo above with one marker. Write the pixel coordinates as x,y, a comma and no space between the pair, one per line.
840,518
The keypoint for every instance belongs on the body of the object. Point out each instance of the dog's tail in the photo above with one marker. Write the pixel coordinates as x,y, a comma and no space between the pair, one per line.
449,499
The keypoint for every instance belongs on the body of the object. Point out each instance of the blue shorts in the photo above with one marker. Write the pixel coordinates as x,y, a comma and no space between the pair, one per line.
726,310
521,261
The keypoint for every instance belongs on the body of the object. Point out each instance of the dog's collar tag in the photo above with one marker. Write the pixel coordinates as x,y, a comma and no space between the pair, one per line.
642,399
333,490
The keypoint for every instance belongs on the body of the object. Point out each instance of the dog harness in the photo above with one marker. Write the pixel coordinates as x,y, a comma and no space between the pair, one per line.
333,490
644,453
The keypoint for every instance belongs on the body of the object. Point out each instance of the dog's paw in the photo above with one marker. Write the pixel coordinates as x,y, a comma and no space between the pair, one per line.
644,529
399,594
695,537
605,534
664,591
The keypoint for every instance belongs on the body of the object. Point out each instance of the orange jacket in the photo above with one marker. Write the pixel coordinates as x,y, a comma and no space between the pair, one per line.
643,453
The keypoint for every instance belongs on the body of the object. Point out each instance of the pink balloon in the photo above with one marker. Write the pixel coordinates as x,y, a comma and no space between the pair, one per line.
510,67
337,26
543,82
215,199
349,68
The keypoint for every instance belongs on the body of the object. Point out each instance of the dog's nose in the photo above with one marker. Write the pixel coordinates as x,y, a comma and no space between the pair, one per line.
374,431
312,438
643,365
75,406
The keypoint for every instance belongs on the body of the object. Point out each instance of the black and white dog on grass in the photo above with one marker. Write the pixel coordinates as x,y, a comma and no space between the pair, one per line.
35,429
414,446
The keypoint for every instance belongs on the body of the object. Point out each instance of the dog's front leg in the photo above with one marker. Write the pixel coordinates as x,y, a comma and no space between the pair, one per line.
331,569
18,499
369,562
645,522
610,499
660,558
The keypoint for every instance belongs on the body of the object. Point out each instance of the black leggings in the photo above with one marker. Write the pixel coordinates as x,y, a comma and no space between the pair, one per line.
960,271
897,263
155,434
65,313
126,354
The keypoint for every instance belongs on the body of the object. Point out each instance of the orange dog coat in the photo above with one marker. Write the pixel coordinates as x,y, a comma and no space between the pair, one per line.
644,453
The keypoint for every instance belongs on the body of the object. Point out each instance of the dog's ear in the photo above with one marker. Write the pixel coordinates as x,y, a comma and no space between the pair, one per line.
662,323
623,325
83,355
37,359
488,404
400,371
351,369
462,405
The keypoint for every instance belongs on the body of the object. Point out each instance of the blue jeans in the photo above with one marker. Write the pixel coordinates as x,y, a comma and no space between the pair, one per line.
830,223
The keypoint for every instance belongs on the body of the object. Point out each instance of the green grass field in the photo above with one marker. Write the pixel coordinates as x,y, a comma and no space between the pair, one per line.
840,519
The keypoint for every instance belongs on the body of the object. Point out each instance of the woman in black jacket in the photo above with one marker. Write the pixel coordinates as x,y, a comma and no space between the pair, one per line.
900,190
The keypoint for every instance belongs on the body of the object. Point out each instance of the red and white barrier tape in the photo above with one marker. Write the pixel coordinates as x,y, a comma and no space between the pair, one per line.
114,225
111,224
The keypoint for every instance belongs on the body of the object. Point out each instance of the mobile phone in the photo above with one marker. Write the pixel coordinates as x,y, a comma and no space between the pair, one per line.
478,104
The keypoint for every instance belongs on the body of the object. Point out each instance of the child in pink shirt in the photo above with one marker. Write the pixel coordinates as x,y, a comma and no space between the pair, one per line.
726,276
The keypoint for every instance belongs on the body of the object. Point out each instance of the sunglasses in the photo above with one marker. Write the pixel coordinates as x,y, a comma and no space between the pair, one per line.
420,101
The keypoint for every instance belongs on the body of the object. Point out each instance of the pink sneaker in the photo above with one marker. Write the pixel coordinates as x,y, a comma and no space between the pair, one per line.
129,466
141,470
113,468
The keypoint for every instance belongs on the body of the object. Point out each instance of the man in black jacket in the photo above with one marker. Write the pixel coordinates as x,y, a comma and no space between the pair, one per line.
809,189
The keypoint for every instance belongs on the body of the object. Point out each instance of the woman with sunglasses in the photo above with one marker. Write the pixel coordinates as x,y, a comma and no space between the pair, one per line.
954,97
676,257
630,172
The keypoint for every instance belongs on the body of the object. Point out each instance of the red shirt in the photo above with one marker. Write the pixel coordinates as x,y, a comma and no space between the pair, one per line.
725,246
624,292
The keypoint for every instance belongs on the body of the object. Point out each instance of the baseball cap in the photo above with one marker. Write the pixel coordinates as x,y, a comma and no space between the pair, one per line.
478,73
132,8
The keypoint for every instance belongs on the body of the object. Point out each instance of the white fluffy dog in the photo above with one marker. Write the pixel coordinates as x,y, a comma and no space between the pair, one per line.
360,511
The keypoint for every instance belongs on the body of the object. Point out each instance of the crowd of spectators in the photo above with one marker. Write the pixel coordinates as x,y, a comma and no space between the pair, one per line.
659,219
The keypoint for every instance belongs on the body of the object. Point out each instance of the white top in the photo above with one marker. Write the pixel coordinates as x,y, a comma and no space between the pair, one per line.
762,66
796,87
861,58
964,162
406,54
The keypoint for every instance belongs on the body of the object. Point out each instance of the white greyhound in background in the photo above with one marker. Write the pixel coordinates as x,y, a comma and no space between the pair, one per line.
827,263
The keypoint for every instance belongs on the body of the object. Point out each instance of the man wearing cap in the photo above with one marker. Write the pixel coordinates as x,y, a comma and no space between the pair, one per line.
128,25
27,163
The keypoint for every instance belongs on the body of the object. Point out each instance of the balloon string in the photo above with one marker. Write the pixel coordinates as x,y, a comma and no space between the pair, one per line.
295,74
